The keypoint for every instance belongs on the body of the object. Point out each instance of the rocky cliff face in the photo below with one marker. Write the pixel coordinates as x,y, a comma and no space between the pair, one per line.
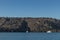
29,24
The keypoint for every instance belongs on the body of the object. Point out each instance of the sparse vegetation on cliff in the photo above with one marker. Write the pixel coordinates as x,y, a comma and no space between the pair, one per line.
31,24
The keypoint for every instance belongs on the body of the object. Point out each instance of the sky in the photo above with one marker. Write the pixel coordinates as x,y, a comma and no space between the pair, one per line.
30,8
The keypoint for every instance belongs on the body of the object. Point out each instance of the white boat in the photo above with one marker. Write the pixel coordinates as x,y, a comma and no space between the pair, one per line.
26,31
48,31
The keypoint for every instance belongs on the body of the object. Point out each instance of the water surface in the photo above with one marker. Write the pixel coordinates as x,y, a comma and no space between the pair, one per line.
29,36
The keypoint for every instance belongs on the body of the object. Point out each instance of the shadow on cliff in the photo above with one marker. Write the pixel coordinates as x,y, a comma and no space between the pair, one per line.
24,26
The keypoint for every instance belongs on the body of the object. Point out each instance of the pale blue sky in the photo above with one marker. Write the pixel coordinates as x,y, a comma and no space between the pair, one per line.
30,8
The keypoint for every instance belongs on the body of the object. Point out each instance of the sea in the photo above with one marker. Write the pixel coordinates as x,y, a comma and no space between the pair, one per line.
29,36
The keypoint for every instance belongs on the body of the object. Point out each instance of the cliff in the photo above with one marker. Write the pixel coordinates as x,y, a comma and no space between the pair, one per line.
15,24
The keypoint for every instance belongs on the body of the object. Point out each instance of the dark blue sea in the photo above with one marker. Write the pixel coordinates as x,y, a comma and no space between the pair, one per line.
29,36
